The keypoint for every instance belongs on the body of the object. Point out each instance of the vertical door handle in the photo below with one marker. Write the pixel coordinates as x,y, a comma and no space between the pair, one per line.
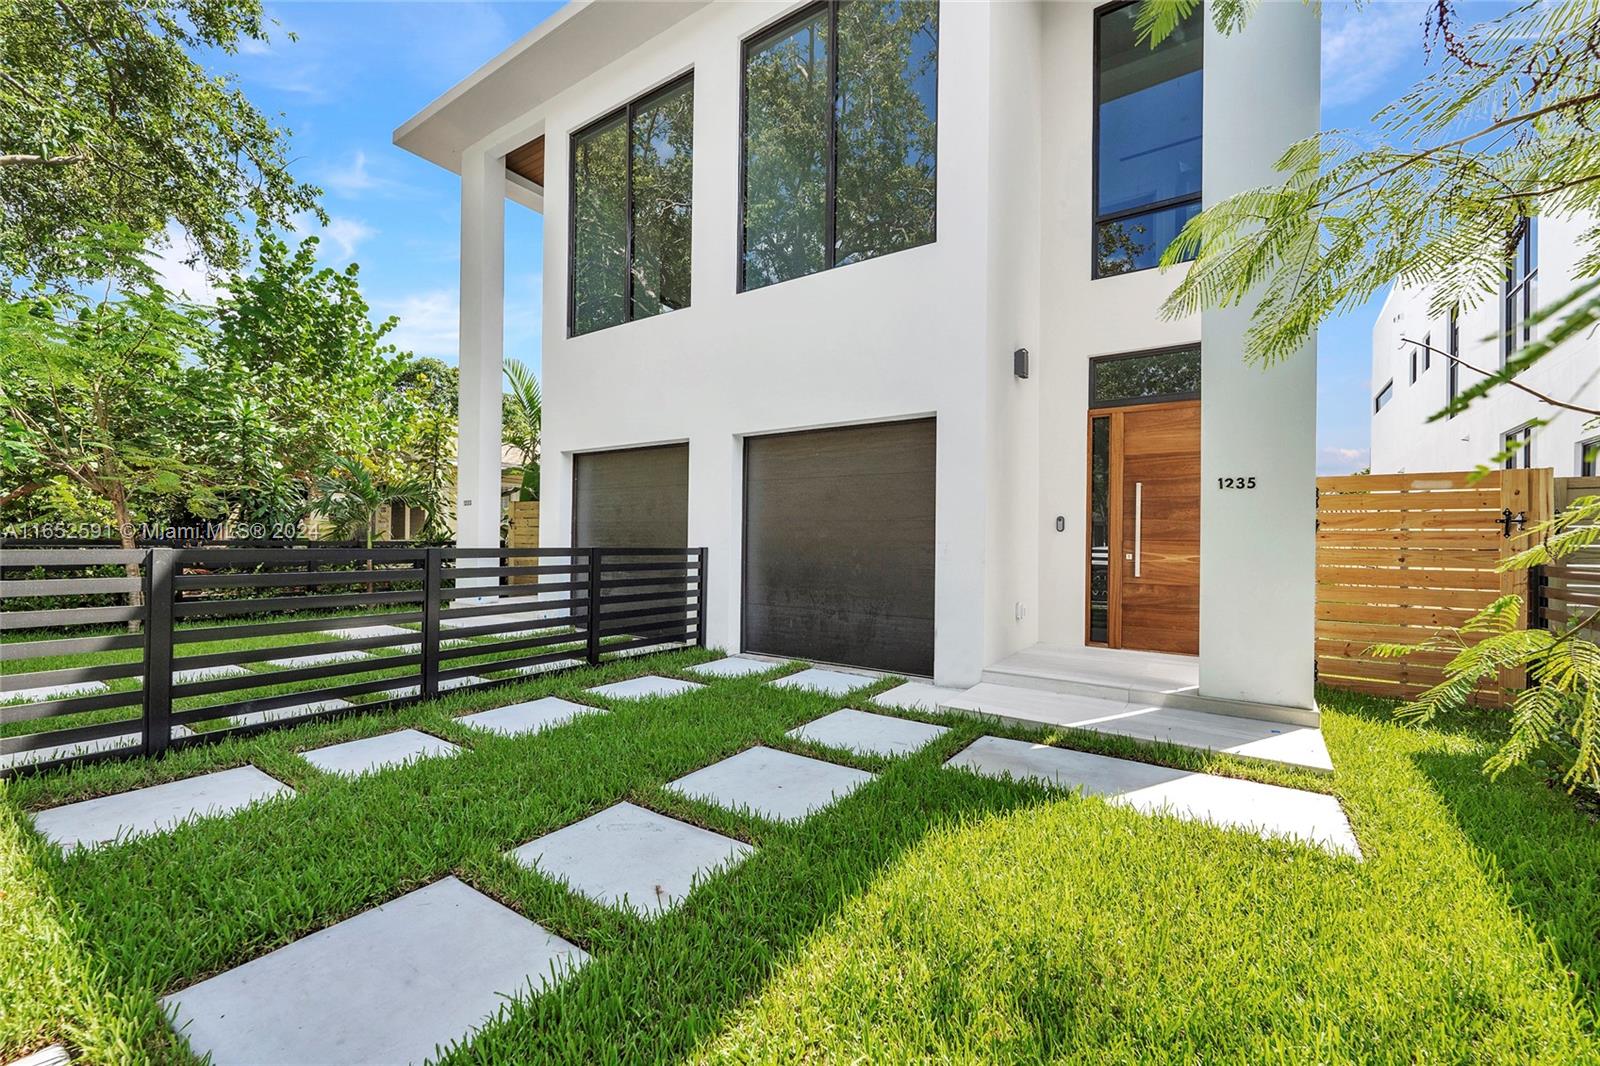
1138,524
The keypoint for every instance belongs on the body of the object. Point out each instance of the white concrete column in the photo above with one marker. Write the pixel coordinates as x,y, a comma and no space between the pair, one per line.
482,340
1257,545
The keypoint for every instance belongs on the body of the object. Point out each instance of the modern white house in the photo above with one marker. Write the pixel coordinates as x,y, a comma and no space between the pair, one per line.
1422,356
862,299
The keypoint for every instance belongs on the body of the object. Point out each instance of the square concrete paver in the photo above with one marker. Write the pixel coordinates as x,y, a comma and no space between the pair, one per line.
356,757
733,666
157,808
364,632
389,985
870,734
630,857
1270,810
277,714
53,692
638,688
208,673
833,682
774,784
528,717
294,662
917,696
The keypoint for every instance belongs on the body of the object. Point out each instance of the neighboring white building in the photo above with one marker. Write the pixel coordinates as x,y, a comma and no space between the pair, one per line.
836,404
1410,384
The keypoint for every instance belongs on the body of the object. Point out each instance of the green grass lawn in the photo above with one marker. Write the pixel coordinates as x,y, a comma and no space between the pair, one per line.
932,914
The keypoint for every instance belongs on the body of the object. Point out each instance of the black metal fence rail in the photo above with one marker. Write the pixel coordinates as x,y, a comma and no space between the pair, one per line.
184,645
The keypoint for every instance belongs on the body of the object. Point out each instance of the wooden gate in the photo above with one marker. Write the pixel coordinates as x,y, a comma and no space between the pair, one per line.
1570,587
1402,556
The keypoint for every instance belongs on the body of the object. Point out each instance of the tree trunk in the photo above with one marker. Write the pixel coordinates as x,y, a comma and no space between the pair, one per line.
119,507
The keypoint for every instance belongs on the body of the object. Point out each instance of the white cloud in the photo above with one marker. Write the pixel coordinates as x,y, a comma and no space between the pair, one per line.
1336,460
349,179
428,322
1363,46
176,276
341,237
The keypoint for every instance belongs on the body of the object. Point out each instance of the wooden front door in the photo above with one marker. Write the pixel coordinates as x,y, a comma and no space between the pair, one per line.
1144,552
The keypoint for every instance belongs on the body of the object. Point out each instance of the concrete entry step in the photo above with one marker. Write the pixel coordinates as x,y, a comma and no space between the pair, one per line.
390,985
1252,737
1131,677
155,809
630,857
1270,810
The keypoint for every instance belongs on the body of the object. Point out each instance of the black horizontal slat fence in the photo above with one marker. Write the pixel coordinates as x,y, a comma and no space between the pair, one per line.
158,648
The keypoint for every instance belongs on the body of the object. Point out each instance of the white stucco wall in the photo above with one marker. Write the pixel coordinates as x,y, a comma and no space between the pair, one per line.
1257,547
1404,441
930,331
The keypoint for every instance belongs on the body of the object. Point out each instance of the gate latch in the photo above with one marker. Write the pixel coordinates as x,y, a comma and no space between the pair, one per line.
1507,519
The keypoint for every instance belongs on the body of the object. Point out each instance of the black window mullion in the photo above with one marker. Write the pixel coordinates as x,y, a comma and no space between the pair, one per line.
830,189
627,256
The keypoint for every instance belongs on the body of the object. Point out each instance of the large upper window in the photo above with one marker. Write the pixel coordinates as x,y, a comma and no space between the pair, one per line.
632,178
1147,138
840,131
1522,275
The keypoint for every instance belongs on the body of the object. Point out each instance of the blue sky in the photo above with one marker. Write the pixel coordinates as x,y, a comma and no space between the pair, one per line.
357,70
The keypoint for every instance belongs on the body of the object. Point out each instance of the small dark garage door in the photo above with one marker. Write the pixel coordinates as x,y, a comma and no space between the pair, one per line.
636,498
838,546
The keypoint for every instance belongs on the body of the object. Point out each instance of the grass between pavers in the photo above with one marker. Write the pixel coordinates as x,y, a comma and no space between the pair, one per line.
932,914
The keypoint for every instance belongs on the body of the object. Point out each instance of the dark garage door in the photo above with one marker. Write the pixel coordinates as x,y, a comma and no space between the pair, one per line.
838,553
636,498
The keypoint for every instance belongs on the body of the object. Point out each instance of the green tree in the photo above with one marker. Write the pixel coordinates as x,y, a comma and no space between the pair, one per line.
350,493
1500,130
99,392
428,390
108,119
520,419
298,372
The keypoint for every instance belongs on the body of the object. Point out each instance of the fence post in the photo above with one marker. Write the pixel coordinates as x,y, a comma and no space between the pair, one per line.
592,617
432,584
700,599
159,566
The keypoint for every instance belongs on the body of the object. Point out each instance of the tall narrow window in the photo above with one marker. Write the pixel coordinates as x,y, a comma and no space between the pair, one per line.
632,180
840,136
1452,370
1147,138
1522,275
1413,364
1427,351
1519,448
1099,529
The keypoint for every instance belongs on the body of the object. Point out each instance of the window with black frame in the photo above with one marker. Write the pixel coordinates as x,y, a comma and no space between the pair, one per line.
1452,369
1518,448
840,138
1145,377
1148,128
1521,285
631,209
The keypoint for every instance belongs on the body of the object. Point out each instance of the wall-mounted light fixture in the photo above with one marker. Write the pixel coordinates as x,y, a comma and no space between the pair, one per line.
1019,362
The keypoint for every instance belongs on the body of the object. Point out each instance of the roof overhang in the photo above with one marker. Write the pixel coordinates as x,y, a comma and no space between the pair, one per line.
561,51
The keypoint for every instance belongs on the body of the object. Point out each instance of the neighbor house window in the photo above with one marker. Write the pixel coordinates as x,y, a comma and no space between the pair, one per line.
1413,364
1452,370
632,179
1385,394
1522,275
1519,448
1147,138
1427,351
840,136
1589,458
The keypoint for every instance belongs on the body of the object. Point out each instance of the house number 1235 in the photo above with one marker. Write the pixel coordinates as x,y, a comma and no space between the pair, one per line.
1236,482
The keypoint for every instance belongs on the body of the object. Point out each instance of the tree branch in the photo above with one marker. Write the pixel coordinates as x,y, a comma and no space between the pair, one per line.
1513,382
17,159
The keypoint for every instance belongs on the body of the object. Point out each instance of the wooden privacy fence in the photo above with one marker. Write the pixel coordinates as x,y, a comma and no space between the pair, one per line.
1569,589
110,652
1403,556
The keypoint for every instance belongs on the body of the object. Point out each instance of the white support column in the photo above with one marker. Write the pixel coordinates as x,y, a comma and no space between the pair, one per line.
482,340
1257,545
